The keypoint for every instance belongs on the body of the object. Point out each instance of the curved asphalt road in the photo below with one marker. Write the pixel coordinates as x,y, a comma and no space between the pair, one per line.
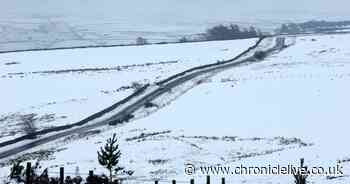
131,108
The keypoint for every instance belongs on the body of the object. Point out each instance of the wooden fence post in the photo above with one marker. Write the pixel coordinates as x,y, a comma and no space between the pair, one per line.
223,181
90,178
91,173
208,179
28,173
61,175
192,181
302,162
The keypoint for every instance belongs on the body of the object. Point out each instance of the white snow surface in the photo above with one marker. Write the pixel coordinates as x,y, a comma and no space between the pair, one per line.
301,92
63,97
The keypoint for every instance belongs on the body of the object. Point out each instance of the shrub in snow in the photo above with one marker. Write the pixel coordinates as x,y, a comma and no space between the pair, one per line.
136,85
141,41
29,125
183,40
259,55
150,105
16,171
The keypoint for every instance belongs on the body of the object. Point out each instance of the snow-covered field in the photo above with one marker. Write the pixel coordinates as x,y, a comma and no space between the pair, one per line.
292,105
48,24
64,86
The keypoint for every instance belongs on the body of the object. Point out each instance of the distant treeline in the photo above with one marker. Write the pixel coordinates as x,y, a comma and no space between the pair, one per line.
313,26
226,32
231,32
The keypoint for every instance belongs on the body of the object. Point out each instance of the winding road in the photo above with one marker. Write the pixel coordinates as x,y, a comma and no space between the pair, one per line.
15,147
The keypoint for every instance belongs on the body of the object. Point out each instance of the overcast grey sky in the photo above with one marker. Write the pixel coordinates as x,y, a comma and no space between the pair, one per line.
182,9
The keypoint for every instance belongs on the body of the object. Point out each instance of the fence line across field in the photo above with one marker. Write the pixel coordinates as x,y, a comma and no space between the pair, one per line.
62,176
33,179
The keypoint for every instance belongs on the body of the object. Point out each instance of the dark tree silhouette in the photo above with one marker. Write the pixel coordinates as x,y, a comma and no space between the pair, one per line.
301,175
109,155
141,41
313,26
183,40
16,171
231,32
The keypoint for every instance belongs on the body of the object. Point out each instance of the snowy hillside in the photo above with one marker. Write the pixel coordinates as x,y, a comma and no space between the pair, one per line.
64,86
289,106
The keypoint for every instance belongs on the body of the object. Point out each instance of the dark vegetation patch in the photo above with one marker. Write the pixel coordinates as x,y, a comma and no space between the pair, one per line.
163,172
281,140
241,156
143,136
224,80
83,70
12,63
150,105
126,118
215,138
336,177
88,133
133,86
42,154
201,137
187,142
288,141
344,160
36,155
260,55
137,129
158,161
56,102
123,88
81,135
18,118
25,123
231,32
313,26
